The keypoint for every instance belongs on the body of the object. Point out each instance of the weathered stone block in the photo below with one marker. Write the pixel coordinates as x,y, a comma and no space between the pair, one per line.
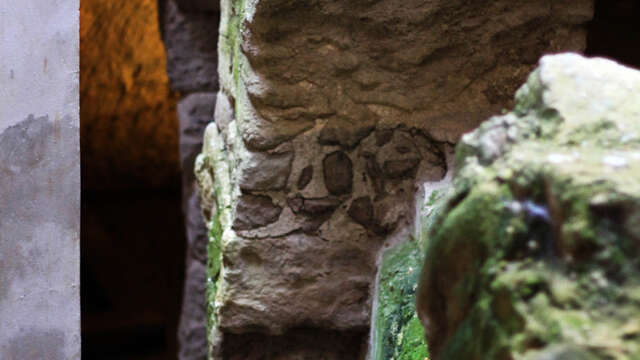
365,100
190,40
443,66
254,211
338,173
534,255
263,172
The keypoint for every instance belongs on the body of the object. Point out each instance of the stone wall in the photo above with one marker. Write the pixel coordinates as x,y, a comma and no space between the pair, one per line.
190,34
330,117
39,181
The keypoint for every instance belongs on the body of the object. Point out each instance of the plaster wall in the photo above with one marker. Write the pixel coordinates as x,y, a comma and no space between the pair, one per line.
39,180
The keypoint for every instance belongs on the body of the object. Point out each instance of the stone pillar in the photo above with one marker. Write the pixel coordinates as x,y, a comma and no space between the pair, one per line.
39,180
331,114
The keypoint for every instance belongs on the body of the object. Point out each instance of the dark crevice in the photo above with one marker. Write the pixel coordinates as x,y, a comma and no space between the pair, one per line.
132,268
614,31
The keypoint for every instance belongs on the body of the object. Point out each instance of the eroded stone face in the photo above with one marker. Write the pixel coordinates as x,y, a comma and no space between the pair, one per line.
443,66
336,111
254,211
255,178
535,253
312,249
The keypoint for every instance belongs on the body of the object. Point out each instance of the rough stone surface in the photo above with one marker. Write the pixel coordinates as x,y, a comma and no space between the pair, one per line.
443,66
125,98
301,343
305,177
325,103
39,181
190,38
313,252
294,271
399,157
195,111
534,255
361,210
336,132
314,206
254,178
254,211
338,173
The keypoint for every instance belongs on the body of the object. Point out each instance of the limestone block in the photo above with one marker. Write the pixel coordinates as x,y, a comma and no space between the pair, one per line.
261,171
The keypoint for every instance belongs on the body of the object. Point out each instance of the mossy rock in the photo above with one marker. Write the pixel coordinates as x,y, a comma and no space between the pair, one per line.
535,254
397,332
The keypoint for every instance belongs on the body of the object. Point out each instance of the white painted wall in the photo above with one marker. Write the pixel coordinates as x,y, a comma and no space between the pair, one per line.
39,180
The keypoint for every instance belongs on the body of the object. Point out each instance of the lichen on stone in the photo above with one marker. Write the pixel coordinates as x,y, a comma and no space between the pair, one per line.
535,253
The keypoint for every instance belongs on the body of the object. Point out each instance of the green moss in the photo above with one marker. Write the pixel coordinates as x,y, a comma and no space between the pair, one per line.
234,32
220,163
535,252
508,297
214,258
398,333
433,197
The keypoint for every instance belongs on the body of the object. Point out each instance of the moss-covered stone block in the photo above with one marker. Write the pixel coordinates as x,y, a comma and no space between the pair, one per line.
534,254
397,332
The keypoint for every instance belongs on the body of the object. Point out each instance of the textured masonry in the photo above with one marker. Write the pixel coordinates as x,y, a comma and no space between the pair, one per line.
330,116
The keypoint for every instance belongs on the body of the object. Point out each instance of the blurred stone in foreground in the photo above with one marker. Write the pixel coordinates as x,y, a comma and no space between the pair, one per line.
535,253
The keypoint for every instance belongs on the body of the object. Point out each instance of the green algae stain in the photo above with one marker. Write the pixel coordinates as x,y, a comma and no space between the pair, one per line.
398,333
